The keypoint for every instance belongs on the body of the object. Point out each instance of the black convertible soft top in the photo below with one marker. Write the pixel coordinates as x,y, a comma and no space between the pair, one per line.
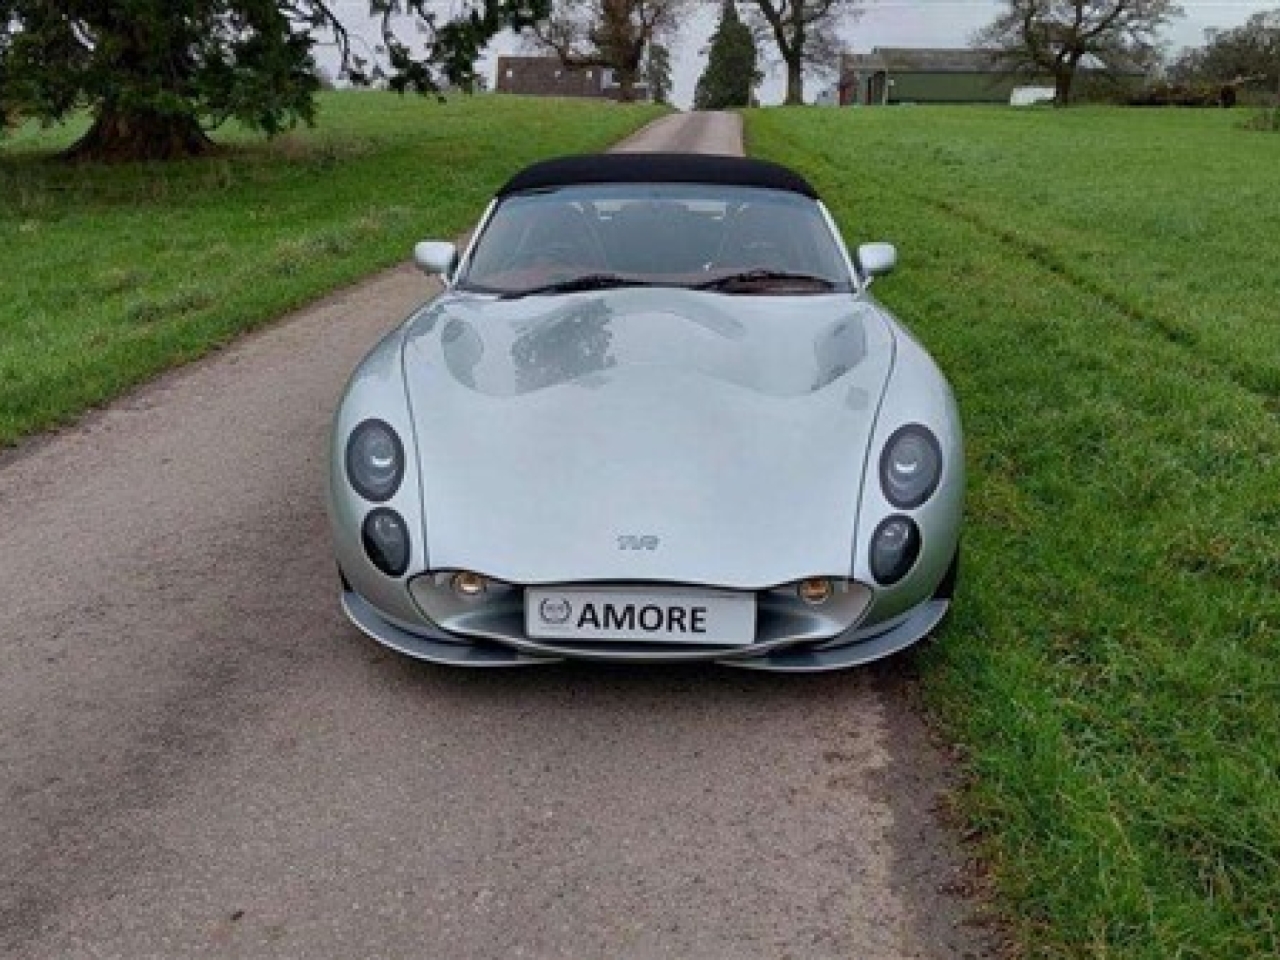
656,168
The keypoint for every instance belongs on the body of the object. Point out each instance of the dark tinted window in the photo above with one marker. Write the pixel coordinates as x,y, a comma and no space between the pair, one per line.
669,234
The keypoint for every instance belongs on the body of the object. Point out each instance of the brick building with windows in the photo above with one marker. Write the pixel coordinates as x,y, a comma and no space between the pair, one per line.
548,77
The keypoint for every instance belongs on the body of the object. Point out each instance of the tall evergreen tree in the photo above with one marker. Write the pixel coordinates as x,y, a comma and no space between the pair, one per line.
657,73
731,71
158,74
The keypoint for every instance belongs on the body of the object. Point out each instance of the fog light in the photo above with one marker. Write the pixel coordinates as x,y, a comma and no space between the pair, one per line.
386,541
894,548
468,584
815,590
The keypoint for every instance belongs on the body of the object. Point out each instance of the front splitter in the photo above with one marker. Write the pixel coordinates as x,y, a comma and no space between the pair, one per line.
903,634
420,647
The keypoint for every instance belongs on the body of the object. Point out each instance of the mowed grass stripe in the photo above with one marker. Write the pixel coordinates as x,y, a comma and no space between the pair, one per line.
109,275
1111,667
1253,371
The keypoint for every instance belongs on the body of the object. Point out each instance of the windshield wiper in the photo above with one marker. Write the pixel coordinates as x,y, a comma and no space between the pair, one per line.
590,281
759,276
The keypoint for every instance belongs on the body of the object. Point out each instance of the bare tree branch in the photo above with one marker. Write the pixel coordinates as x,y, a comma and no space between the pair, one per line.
806,33
613,34
1053,37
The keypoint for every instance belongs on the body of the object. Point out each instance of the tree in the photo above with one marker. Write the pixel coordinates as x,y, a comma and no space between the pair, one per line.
731,70
612,34
158,74
657,73
806,33
1037,37
1246,54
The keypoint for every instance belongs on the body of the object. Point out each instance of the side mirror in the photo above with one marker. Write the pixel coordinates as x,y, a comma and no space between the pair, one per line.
877,259
435,256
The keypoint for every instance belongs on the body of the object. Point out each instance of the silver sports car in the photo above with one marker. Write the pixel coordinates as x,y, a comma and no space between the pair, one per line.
654,415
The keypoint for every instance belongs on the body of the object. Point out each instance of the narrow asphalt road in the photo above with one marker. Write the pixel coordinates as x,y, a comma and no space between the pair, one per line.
200,758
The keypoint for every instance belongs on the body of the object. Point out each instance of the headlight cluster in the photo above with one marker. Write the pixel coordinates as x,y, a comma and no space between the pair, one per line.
910,471
375,461
910,467
375,468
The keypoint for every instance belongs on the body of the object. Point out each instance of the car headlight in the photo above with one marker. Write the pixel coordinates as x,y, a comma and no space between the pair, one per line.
910,466
386,541
375,460
894,548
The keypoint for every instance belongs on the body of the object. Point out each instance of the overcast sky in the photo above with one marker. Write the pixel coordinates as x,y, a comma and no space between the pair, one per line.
883,23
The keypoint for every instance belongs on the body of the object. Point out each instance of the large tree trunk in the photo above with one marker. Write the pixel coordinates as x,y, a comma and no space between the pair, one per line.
119,135
1064,72
795,82
1063,75
626,84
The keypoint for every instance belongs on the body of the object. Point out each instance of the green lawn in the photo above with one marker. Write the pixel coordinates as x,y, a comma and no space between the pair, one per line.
109,275
1102,288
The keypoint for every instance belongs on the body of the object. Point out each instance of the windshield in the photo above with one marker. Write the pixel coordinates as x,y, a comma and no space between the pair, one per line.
740,240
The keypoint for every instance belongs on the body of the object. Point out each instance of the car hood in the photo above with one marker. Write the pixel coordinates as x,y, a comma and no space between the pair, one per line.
644,434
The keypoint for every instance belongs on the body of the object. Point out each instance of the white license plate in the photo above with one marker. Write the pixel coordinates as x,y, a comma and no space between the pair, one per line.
645,614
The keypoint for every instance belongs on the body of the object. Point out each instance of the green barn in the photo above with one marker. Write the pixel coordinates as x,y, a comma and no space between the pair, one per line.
889,75
904,75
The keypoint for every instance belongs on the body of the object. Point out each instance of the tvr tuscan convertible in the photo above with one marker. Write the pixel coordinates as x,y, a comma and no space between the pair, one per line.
654,415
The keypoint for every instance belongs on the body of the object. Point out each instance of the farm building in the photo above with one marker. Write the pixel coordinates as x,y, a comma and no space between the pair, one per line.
919,75
548,77
902,75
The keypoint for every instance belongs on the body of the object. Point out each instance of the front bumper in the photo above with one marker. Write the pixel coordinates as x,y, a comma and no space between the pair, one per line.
851,648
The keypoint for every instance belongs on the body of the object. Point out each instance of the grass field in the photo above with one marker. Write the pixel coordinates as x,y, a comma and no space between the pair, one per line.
109,275
1101,287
